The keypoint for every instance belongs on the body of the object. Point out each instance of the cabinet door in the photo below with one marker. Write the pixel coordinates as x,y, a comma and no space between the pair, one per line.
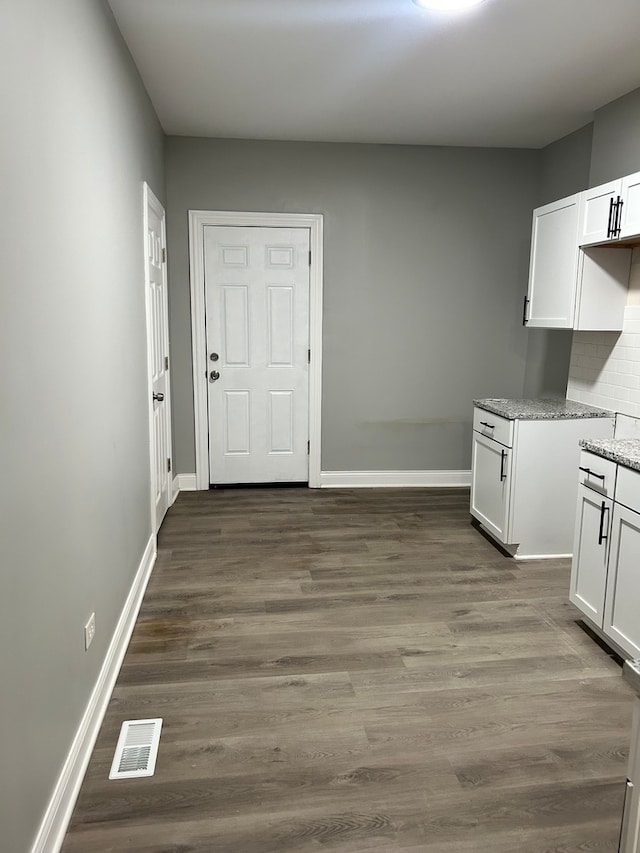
595,213
491,485
630,834
553,266
630,206
589,562
622,607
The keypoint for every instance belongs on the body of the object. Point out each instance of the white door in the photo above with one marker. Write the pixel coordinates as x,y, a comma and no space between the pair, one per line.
257,336
158,356
622,607
491,485
589,564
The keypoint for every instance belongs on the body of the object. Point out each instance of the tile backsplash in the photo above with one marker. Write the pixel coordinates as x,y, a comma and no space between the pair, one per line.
605,366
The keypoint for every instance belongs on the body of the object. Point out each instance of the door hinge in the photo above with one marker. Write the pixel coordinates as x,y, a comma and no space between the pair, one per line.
309,356
308,447
168,465
164,255
309,257
166,362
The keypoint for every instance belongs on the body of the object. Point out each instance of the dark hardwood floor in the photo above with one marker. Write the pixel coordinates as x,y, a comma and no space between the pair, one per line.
358,671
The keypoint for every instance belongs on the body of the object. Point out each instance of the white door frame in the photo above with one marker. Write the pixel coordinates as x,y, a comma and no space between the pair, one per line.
198,219
151,200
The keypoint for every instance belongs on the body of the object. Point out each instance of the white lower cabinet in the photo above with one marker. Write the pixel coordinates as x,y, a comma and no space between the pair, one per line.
523,486
589,568
491,484
630,834
605,570
622,606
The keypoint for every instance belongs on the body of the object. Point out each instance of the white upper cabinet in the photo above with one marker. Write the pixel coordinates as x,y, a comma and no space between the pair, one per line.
570,288
630,217
611,211
553,268
598,217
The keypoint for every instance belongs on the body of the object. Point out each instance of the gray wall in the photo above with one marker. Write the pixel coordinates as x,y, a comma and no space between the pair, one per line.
426,261
564,170
565,165
78,138
616,140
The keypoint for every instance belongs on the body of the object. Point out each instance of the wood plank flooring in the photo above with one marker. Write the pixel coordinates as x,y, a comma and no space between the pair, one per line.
358,671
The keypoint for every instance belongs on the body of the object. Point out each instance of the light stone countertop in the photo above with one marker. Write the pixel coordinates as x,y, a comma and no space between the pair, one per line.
540,410
631,674
624,451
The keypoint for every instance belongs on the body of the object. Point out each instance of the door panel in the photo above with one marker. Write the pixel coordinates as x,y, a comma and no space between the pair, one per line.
491,485
589,564
158,356
257,322
622,613
553,265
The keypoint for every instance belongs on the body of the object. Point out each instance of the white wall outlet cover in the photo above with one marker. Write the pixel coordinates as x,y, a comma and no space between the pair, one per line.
89,631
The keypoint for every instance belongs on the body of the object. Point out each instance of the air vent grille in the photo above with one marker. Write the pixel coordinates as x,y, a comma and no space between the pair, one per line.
137,749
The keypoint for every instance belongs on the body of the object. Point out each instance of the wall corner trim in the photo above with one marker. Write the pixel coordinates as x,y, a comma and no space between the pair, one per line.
184,483
65,793
394,479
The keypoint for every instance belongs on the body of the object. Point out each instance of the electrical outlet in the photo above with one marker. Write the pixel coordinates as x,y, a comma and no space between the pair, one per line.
89,631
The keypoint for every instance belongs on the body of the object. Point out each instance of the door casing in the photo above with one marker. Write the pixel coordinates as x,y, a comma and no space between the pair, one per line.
198,220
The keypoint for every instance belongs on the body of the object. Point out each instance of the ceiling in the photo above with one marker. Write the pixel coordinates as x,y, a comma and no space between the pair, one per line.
518,73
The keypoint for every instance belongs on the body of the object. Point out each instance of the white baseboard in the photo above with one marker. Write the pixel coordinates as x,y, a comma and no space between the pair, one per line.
184,483
519,556
394,479
58,814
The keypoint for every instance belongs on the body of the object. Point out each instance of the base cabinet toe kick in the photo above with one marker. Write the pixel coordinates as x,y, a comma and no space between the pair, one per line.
523,482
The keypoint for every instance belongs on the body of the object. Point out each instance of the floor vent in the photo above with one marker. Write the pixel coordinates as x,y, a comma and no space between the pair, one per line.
137,749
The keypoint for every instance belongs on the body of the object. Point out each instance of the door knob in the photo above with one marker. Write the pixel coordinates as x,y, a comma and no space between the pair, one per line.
158,396
214,356
214,376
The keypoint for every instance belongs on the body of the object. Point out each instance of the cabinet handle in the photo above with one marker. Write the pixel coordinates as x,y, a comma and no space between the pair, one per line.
617,228
610,222
503,456
524,310
488,426
592,473
602,537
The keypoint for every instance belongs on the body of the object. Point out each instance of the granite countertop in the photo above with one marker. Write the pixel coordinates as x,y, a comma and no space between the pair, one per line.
540,410
624,451
631,673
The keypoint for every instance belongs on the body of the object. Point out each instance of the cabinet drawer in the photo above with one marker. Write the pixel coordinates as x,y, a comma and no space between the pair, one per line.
628,488
597,473
493,426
